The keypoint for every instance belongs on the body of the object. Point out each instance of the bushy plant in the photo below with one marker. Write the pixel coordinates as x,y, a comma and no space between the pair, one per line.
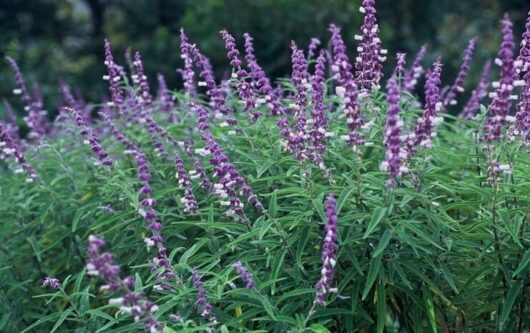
333,202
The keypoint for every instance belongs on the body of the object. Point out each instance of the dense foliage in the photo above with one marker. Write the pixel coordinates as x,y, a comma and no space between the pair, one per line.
335,202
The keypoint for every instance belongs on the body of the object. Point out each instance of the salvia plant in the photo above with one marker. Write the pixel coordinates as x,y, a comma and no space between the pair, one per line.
333,200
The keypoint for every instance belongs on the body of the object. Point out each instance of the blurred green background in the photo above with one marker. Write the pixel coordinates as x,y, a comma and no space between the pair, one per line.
53,39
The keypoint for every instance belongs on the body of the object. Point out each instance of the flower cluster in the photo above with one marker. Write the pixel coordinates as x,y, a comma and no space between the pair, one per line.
144,96
346,89
399,70
189,201
244,274
8,147
394,154
114,77
502,97
319,119
522,117
202,303
416,70
246,93
132,302
424,130
165,100
187,71
51,283
300,80
369,60
35,119
458,85
480,91
90,138
11,125
329,252
313,45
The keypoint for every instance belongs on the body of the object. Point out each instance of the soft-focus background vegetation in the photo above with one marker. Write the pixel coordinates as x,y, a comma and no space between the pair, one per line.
54,39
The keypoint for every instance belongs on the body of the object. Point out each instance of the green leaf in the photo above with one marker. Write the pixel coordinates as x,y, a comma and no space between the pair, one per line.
343,197
509,301
317,328
273,205
61,319
523,265
373,271
383,242
377,216
381,306
276,264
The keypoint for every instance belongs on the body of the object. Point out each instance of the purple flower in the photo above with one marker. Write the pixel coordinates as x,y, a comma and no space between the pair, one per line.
8,147
424,130
416,70
143,96
90,138
480,91
346,89
113,76
187,71
300,80
132,302
458,85
51,283
190,203
244,274
399,70
319,119
329,252
368,63
165,100
244,89
35,120
522,117
392,163
205,308
11,125
502,97
313,45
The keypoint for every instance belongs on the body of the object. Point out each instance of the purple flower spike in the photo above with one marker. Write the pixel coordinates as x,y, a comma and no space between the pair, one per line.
132,302
522,117
8,147
244,274
165,100
329,252
319,119
424,130
416,70
143,96
458,85
33,106
502,97
368,63
11,126
202,303
244,89
90,138
51,283
187,71
189,201
114,78
313,45
346,89
392,163
480,91
300,80
399,70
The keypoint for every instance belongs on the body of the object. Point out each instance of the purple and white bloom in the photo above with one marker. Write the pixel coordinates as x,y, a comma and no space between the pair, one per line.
458,85
51,283
165,99
244,89
319,118
368,63
399,70
502,97
329,252
346,89
90,137
35,119
202,303
313,45
187,71
242,271
189,201
11,125
416,71
480,91
392,140
8,148
132,302
143,96
424,131
114,78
